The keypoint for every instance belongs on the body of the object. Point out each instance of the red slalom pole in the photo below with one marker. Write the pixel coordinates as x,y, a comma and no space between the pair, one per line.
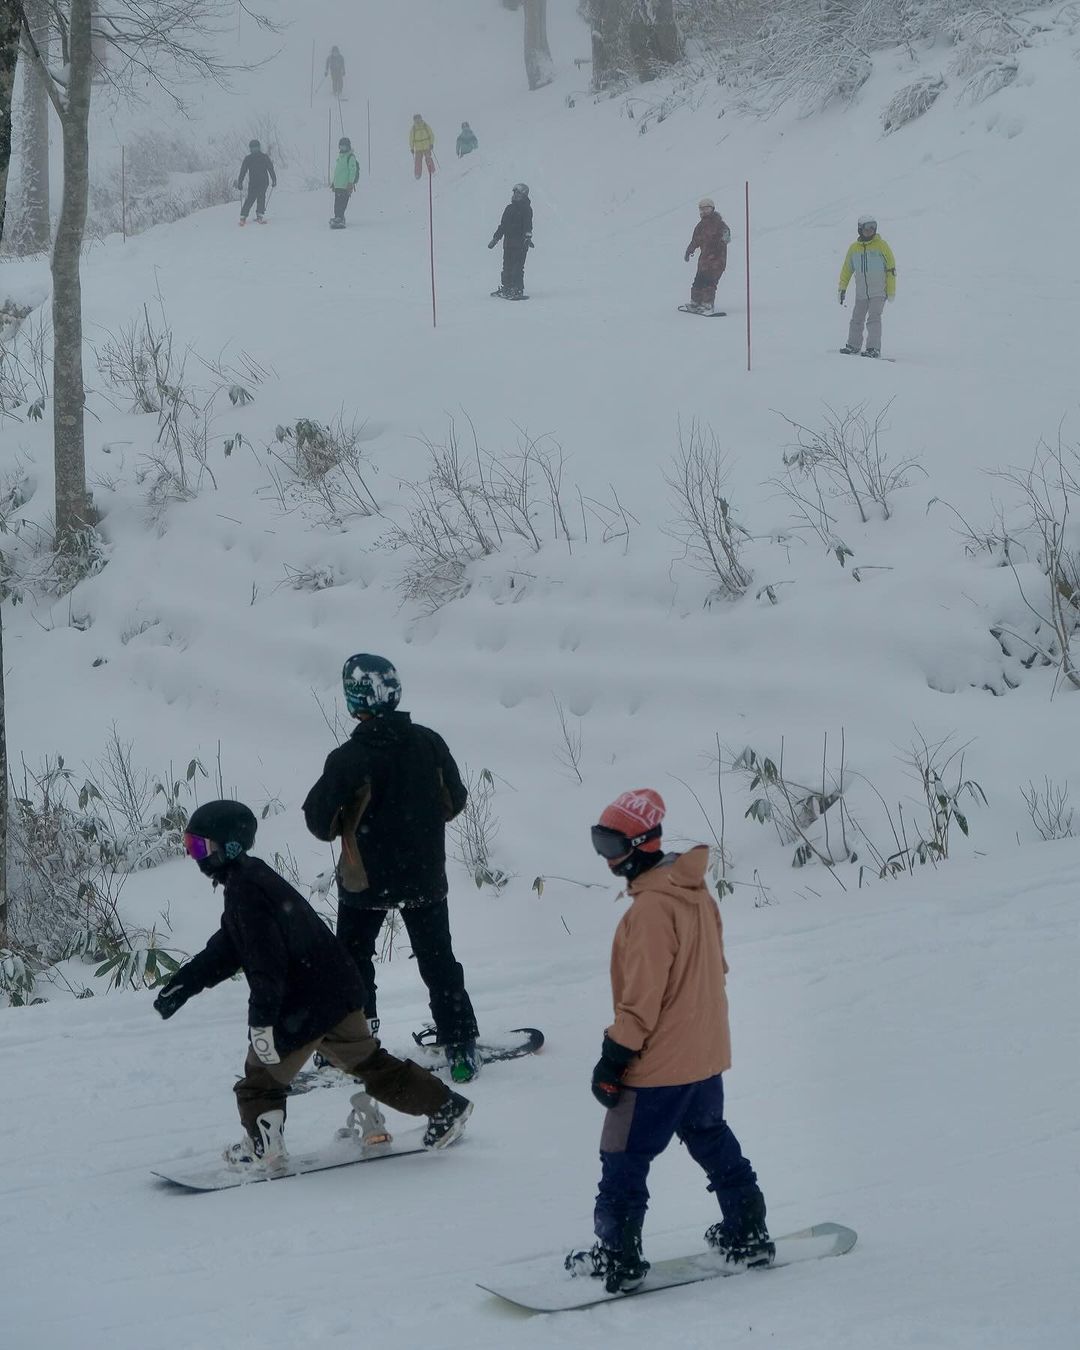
431,239
747,274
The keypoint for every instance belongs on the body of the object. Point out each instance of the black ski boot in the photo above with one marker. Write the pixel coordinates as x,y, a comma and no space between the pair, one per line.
742,1237
623,1269
446,1124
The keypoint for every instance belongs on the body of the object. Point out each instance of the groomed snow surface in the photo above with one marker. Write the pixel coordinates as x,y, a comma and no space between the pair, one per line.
905,1051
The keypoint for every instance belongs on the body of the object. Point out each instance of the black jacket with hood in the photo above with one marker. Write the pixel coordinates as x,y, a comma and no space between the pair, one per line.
388,793
301,978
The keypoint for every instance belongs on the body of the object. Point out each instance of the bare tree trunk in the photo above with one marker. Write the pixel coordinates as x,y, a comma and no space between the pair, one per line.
31,229
73,509
10,26
654,38
539,66
3,799
608,20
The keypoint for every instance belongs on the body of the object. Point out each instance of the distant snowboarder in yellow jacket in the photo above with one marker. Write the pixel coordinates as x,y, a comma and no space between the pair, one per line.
421,143
870,261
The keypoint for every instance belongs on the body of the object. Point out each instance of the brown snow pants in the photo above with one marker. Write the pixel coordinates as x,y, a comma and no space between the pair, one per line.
420,158
703,287
350,1046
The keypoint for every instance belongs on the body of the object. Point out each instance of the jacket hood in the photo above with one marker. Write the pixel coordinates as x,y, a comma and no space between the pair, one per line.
678,872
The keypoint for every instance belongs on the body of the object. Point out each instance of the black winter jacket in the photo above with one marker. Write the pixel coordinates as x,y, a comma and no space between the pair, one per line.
516,224
302,980
388,793
259,165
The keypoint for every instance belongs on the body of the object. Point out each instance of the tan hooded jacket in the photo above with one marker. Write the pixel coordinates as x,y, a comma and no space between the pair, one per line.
667,976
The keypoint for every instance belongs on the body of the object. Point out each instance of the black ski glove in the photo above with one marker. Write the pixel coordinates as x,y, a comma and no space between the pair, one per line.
608,1074
493,243
529,241
174,994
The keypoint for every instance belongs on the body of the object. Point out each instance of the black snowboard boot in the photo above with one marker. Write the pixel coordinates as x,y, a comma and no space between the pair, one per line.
872,352
623,1269
447,1123
848,350
742,1238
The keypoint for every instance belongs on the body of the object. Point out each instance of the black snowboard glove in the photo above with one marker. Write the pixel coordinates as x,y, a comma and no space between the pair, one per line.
493,243
529,241
608,1075
174,994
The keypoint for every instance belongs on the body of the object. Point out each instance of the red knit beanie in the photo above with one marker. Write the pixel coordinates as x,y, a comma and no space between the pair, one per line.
636,812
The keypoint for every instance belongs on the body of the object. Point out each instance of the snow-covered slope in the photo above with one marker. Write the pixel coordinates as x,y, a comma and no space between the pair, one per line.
902,1048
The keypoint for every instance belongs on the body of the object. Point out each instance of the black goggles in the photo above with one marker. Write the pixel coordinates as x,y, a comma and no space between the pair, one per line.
613,844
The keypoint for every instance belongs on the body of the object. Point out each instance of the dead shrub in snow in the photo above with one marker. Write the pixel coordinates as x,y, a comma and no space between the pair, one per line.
1050,809
24,361
706,524
475,829
73,845
1050,490
845,459
321,464
911,102
473,504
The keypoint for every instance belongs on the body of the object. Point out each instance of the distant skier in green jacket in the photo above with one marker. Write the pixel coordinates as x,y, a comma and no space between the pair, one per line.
346,174
466,141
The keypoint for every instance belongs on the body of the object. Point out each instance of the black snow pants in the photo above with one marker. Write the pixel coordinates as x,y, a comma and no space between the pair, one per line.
341,201
256,195
428,927
513,268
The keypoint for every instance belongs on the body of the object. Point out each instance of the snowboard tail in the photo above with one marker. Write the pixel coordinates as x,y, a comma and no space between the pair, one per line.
703,314
541,1285
432,1056
213,1174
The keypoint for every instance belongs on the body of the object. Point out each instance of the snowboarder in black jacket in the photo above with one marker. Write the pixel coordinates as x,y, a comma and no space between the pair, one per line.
306,994
515,230
259,171
388,793
335,68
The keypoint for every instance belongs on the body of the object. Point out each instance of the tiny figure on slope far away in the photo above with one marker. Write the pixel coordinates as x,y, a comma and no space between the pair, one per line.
335,68
258,169
710,240
422,145
515,231
870,261
466,141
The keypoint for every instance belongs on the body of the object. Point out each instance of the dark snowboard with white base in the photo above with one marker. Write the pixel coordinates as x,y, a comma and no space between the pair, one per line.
703,313
542,1285
514,1044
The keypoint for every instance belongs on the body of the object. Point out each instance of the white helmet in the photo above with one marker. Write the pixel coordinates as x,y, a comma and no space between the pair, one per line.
706,204
867,220
520,190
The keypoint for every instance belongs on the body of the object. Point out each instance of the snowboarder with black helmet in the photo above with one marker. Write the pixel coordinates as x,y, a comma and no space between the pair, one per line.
515,231
387,794
343,183
660,1073
258,169
335,68
306,994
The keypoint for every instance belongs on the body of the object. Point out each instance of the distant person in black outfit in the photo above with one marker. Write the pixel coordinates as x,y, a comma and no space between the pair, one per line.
306,994
258,169
387,794
515,230
335,68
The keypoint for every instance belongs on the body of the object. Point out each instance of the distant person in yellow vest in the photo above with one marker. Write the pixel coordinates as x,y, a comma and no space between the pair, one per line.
421,143
870,263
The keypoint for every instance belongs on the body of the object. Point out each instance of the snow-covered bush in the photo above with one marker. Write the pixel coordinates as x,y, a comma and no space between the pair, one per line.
473,832
706,523
987,81
74,841
320,464
911,102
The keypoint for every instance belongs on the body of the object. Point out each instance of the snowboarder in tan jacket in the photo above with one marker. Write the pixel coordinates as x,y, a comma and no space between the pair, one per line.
660,1074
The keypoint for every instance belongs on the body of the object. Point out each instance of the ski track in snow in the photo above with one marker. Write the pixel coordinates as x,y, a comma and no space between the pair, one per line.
904,1052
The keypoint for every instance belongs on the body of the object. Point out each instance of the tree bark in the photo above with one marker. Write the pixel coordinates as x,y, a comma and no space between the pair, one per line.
608,21
10,28
72,503
653,36
31,229
3,799
539,67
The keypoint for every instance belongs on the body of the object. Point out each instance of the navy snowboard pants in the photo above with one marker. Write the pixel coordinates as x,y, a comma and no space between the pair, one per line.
640,1126
428,927
256,196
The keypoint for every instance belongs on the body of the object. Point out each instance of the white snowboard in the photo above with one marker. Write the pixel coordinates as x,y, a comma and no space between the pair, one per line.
542,1285
212,1173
